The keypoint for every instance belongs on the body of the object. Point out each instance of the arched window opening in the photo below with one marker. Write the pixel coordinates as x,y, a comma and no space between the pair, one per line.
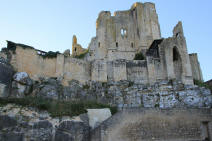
75,49
123,32
175,55
177,64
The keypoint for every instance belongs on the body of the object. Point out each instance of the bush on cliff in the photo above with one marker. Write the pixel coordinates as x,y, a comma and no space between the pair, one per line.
202,84
57,108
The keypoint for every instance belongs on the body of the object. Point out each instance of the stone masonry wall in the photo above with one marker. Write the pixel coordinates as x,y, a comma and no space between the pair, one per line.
195,67
27,60
67,68
120,36
137,71
155,124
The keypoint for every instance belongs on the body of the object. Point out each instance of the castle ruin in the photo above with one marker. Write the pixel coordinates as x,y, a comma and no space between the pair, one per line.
111,54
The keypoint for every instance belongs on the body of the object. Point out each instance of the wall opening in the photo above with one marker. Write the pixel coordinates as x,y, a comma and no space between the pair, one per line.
99,44
123,32
175,54
205,131
177,62
75,49
117,44
131,45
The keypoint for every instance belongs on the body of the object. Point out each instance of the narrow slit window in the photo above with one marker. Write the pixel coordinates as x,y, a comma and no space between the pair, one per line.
132,45
117,44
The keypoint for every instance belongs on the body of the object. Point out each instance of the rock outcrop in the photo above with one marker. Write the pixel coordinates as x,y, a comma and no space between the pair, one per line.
21,85
22,124
123,94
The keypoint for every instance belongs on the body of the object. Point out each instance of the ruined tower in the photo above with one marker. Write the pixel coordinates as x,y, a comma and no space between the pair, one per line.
76,48
125,33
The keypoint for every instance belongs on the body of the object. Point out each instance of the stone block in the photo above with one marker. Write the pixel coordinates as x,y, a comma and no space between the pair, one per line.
97,116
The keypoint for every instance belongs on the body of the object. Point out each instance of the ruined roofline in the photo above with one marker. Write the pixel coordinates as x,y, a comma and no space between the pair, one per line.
135,5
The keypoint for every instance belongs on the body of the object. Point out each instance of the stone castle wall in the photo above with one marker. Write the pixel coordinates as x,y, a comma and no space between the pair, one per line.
111,53
122,35
195,67
28,60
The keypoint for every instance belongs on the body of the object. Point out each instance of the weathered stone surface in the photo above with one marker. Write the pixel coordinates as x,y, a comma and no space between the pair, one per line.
2,90
6,121
96,116
195,65
21,77
11,137
22,85
149,124
72,131
49,88
21,123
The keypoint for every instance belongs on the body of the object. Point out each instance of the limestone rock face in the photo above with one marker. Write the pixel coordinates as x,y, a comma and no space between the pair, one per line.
21,77
22,124
72,131
49,88
96,116
22,85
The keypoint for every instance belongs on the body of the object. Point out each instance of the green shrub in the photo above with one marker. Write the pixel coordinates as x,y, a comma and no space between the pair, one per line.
57,108
202,84
86,86
130,84
139,56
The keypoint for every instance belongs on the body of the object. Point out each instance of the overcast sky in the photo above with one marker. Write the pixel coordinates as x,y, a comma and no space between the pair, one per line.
50,24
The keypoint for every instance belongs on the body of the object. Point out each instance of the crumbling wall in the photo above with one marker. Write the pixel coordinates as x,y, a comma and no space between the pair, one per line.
37,65
122,35
28,60
137,71
195,67
77,48
175,56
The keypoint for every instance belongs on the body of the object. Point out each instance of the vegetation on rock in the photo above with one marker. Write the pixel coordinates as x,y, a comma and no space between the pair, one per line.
50,54
57,108
202,84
